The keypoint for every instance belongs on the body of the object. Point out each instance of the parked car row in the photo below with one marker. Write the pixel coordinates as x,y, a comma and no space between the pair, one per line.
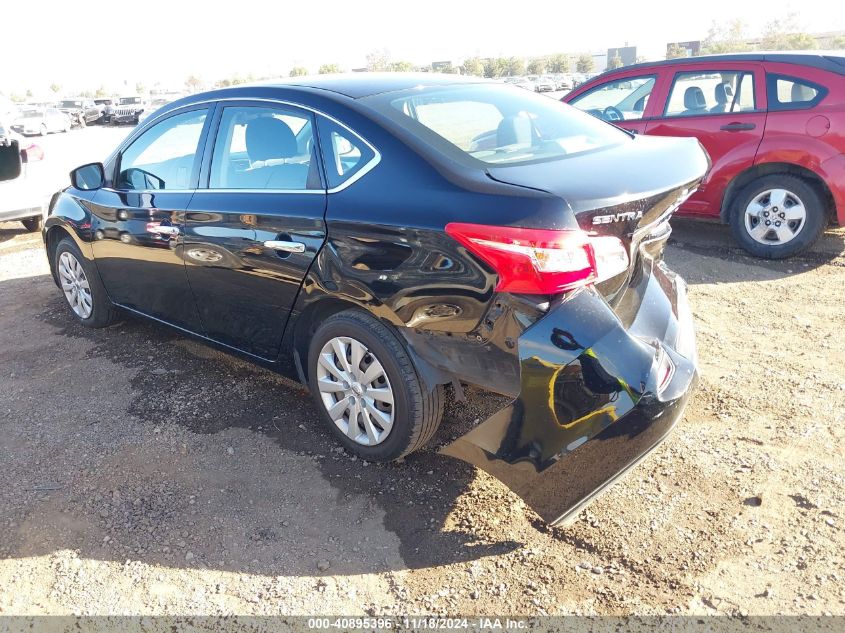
542,83
41,119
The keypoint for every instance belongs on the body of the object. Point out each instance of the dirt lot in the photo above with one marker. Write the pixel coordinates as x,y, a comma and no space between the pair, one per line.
145,473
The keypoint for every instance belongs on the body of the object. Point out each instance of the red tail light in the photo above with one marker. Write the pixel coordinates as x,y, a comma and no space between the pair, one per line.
32,153
542,261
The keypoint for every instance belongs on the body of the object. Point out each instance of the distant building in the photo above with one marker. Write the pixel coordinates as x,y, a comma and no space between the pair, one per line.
692,48
628,54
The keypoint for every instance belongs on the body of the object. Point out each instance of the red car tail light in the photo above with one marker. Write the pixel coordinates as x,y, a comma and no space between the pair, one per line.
542,261
32,153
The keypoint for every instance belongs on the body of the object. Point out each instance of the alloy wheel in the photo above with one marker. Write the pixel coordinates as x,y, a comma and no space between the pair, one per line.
75,285
355,390
775,216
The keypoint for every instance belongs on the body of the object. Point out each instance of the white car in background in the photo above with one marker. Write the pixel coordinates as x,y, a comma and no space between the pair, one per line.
25,196
41,121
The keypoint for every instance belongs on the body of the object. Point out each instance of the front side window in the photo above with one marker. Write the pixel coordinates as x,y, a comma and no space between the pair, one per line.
264,148
620,100
711,92
344,154
164,156
789,93
496,124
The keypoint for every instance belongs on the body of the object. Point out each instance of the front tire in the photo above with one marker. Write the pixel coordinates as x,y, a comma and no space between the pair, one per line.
81,286
778,216
368,390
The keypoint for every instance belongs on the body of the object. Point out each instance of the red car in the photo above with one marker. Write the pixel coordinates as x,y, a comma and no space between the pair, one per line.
773,124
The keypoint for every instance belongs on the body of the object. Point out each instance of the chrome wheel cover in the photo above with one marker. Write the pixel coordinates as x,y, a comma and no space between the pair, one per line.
775,217
205,255
355,390
75,285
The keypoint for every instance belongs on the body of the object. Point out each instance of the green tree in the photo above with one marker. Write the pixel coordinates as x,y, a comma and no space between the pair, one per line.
401,67
725,38
223,83
559,63
29,94
328,69
378,61
786,34
140,88
101,92
837,43
673,51
473,66
615,62
536,67
298,71
55,88
585,63
495,67
516,66
193,83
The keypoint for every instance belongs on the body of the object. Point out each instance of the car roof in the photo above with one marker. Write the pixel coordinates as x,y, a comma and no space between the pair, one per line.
365,84
833,61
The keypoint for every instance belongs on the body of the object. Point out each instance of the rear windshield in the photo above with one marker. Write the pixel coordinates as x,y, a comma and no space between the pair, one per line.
70,104
130,100
32,114
496,124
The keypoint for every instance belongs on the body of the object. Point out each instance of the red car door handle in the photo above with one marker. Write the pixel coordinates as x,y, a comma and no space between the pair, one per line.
738,127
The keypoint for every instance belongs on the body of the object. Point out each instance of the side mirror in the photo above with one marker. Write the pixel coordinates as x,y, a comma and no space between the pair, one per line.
88,177
10,159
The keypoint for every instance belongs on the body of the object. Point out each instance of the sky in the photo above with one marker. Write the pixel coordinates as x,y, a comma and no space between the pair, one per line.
165,41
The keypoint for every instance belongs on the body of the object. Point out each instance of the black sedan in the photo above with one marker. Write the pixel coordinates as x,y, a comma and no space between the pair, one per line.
382,237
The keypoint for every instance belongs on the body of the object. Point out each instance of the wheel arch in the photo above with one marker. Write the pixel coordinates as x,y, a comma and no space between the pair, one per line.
52,236
766,169
305,324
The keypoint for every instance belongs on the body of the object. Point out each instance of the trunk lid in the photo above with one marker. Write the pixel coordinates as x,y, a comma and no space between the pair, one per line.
628,191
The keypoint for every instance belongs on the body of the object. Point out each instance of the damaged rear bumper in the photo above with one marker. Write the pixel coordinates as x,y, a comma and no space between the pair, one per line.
596,394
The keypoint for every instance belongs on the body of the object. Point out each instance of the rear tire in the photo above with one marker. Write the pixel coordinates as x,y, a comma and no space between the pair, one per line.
97,311
415,409
33,224
778,216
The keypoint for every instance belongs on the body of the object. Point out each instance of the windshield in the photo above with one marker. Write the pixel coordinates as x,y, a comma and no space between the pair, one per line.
31,114
130,100
495,123
70,104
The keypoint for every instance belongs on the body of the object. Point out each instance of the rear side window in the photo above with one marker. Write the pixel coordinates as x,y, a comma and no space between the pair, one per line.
627,97
701,93
264,148
789,93
495,124
345,155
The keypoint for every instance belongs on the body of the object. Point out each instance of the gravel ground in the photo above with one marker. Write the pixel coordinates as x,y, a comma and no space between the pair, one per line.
146,473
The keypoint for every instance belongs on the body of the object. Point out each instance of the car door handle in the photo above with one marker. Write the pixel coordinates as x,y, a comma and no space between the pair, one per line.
286,246
737,127
163,230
